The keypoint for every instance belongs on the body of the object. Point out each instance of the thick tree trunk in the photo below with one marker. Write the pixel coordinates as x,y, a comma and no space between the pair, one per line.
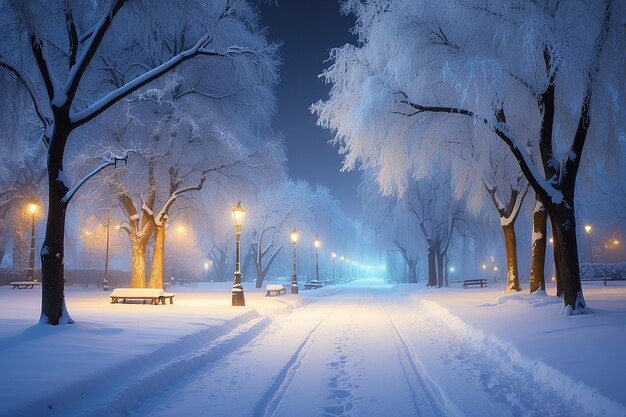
138,263
512,270
538,249
440,260
566,257
412,265
53,309
158,257
432,269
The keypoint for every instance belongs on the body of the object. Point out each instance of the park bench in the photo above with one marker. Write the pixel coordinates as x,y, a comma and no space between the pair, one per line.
468,282
154,295
276,289
20,285
313,284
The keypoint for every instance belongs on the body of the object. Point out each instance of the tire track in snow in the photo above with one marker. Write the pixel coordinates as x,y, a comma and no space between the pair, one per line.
270,401
427,398
144,386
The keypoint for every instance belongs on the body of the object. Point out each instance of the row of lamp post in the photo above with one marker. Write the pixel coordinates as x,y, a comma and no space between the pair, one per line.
238,298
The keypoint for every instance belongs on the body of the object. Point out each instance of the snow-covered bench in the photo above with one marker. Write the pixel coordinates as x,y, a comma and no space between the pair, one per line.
20,285
154,295
274,288
468,282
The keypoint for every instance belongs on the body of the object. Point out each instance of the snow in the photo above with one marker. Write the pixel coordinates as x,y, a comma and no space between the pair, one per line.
363,348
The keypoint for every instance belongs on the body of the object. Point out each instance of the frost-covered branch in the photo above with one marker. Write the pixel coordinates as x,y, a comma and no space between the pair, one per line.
30,89
106,162
535,178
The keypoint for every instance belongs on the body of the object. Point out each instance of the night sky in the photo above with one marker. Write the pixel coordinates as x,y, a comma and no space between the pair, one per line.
308,29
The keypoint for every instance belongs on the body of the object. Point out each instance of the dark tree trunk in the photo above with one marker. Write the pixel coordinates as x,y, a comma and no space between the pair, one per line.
53,309
569,286
440,260
538,249
512,270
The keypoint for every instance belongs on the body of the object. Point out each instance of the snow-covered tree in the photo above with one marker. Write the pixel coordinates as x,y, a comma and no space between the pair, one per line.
550,65
52,47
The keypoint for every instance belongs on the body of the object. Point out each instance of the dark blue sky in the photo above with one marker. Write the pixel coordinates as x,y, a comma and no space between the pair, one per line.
308,29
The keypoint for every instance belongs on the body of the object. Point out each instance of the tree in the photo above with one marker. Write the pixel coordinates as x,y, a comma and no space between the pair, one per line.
462,59
55,69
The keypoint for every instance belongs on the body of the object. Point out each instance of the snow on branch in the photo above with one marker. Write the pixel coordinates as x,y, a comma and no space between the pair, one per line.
111,160
532,173
30,88
162,215
200,48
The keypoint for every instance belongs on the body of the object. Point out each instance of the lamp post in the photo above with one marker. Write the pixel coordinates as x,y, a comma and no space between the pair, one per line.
294,278
105,280
334,256
205,272
239,215
341,268
32,209
317,244
588,230
495,269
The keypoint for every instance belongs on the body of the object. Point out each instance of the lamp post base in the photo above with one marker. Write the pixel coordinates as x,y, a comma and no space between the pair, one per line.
238,299
294,288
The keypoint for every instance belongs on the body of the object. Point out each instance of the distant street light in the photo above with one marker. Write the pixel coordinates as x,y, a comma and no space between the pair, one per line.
205,271
334,256
32,209
341,268
495,269
105,280
588,230
317,244
239,216
294,279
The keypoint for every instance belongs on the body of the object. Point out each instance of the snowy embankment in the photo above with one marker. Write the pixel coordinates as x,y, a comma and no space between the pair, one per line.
579,358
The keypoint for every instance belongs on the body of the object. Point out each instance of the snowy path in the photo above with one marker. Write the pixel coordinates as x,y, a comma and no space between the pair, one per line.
360,352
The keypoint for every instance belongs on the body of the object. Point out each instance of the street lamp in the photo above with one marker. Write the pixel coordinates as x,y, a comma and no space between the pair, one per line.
495,269
105,281
588,230
294,279
239,215
205,276
334,256
32,209
317,244
341,268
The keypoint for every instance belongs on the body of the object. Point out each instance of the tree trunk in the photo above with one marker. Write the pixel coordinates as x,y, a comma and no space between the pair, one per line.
538,249
432,270
158,257
569,286
138,262
512,271
53,310
440,259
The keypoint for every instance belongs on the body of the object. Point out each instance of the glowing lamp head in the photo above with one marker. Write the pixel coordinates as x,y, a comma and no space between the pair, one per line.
239,214
334,255
32,208
484,267
180,229
342,258
588,228
451,269
206,265
616,242
317,243
294,236
495,268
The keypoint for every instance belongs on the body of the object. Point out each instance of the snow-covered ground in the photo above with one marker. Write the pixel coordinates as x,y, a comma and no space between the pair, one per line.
361,349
